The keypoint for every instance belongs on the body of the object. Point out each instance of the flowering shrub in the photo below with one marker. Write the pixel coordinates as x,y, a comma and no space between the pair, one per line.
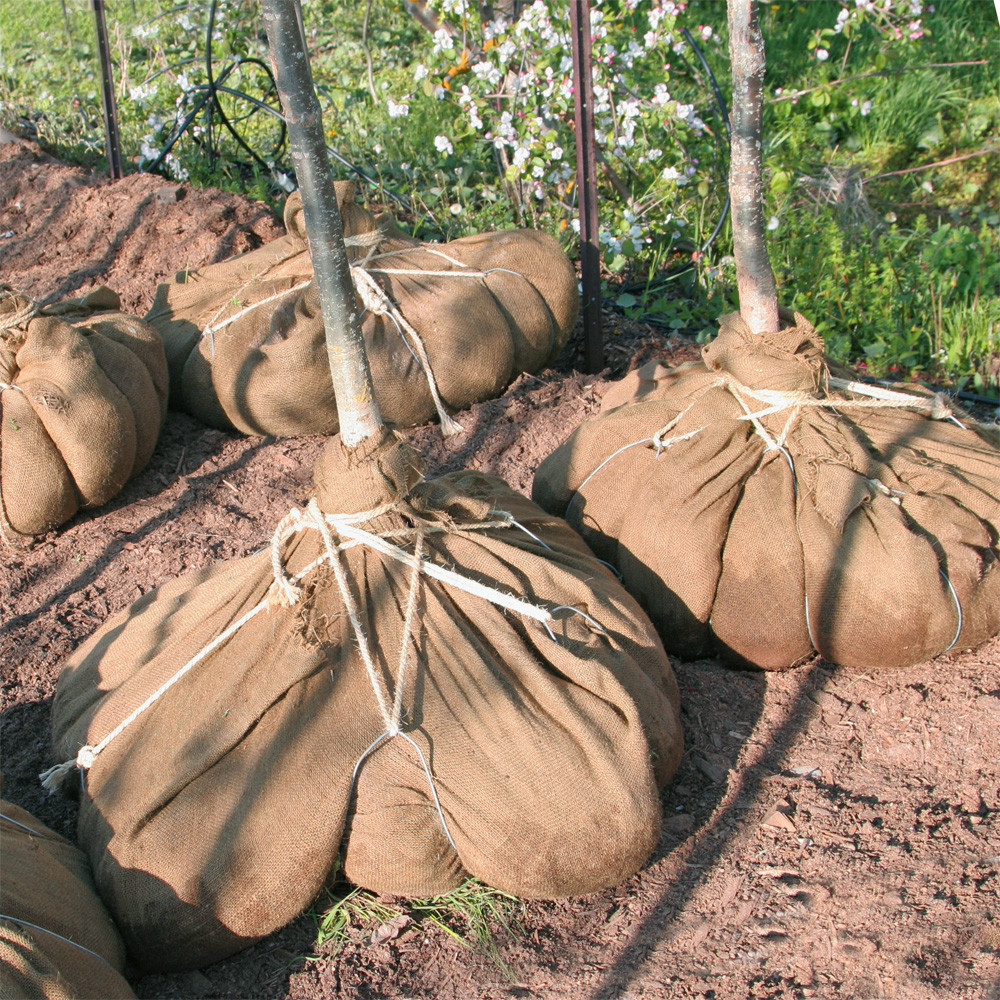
471,126
659,140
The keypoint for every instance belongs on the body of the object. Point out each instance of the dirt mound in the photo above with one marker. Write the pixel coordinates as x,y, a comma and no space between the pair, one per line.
63,228
829,833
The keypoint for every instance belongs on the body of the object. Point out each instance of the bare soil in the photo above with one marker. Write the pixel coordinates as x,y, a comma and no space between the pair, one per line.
829,834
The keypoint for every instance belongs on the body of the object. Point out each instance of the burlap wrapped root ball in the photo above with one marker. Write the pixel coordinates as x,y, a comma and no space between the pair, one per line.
83,394
445,325
57,941
340,711
759,505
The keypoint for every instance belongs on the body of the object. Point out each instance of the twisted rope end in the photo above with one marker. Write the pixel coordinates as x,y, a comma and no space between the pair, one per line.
450,426
55,777
941,408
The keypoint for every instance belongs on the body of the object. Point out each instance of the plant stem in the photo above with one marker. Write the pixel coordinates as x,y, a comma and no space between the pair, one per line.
754,278
795,94
352,382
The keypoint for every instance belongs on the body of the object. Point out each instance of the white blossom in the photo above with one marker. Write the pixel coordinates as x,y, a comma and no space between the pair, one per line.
141,93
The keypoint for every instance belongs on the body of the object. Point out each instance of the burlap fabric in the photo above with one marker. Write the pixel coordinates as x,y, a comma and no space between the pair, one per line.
245,340
83,394
220,811
780,511
57,941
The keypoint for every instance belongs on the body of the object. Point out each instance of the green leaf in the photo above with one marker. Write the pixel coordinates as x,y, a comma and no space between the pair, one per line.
780,182
626,299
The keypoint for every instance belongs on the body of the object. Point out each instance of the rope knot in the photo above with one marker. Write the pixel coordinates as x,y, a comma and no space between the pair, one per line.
16,309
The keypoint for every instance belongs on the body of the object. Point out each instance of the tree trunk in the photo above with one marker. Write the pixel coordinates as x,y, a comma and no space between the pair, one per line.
352,382
754,278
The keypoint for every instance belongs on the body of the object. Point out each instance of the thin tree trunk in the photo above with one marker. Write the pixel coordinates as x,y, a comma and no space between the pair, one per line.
352,382
754,278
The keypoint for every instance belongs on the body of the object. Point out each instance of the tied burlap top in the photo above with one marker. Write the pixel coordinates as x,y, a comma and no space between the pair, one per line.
444,325
417,681
764,504
83,394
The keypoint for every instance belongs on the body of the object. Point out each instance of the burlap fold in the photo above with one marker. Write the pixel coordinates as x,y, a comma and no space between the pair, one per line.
760,504
57,941
83,394
522,743
245,339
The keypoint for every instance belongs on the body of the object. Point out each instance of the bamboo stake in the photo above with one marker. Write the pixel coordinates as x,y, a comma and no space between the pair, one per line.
352,381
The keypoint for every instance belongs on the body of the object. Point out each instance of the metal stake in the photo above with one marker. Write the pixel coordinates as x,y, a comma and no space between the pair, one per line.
586,184
108,93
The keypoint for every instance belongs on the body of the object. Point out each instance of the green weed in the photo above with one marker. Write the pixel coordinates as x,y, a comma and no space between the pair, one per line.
471,914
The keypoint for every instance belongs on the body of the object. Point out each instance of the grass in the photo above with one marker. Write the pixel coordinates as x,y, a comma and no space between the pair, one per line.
470,914
885,149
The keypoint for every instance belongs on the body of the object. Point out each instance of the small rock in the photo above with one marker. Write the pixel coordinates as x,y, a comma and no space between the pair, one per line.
170,193
391,929
806,771
707,768
779,817
679,824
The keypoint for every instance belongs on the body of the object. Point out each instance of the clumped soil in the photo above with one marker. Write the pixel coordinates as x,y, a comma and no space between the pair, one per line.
830,833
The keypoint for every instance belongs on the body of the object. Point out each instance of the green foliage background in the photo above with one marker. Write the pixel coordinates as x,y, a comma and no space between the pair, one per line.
883,160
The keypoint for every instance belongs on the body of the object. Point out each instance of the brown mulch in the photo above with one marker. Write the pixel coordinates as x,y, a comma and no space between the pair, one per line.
829,834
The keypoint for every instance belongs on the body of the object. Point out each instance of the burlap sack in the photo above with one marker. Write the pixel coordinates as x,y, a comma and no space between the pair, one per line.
245,340
57,941
218,813
759,505
83,394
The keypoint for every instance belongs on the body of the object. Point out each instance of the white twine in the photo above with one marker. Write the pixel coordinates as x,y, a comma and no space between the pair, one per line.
371,239
378,303
936,408
212,327
778,400
10,385
45,930
285,589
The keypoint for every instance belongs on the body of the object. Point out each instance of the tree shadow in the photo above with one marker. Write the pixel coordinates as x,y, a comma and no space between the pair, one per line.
135,490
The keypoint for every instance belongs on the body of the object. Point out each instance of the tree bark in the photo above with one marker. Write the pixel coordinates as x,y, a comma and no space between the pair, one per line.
754,278
352,382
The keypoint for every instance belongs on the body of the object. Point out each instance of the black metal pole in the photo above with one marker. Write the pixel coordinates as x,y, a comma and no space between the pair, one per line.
108,93
586,185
